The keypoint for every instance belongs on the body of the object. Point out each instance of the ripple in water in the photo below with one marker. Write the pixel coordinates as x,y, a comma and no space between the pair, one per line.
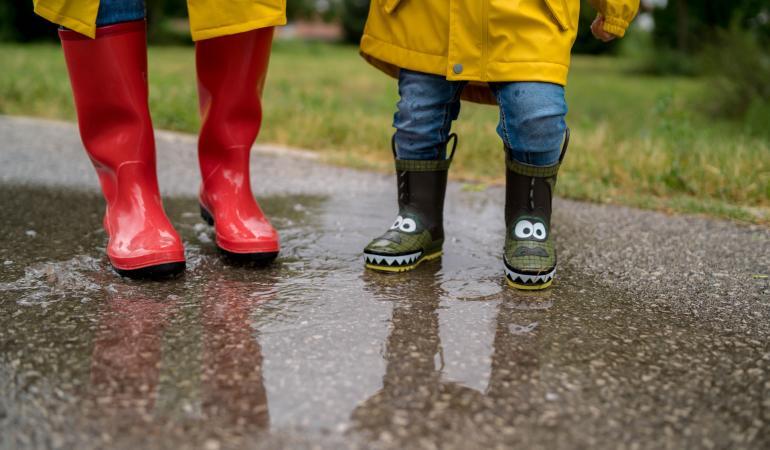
48,282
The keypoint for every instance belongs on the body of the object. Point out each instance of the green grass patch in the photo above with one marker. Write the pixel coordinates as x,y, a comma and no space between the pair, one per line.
637,140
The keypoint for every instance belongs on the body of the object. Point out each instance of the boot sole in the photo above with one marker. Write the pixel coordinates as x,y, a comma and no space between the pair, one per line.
396,269
156,272
527,282
257,258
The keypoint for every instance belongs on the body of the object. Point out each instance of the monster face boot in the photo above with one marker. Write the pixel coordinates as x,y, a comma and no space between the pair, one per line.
529,255
231,75
418,232
109,82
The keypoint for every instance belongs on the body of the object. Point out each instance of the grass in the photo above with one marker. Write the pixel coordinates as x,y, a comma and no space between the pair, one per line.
637,140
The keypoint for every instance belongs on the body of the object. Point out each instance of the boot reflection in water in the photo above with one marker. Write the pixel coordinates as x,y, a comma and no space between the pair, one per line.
515,386
413,395
416,402
233,385
127,354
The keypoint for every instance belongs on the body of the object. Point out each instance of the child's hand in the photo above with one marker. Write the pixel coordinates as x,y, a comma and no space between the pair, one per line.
597,29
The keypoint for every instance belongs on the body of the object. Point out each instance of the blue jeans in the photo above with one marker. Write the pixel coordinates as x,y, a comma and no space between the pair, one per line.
118,11
532,124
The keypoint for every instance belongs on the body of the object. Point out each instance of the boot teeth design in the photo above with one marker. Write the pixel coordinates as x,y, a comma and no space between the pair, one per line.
392,261
525,280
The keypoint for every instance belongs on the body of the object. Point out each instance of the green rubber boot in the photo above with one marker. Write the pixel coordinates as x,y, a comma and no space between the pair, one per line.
418,232
529,256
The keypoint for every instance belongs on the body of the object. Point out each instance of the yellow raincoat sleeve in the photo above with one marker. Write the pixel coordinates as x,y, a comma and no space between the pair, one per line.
618,14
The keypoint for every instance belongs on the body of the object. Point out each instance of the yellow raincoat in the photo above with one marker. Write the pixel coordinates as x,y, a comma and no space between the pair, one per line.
482,40
208,18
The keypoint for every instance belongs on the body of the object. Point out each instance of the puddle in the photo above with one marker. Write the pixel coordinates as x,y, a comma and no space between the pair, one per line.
314,351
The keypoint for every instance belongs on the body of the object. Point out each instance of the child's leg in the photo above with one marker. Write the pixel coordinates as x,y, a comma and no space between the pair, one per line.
428,105
534,131
532,121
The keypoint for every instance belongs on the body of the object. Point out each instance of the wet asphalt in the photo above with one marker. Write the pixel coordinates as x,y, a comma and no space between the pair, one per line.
654,335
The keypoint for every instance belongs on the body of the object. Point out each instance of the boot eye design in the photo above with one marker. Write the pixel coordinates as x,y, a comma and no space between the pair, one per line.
532,230
406,225
523,229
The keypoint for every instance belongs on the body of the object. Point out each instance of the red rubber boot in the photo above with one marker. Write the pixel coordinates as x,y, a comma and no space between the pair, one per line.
231,74
109,84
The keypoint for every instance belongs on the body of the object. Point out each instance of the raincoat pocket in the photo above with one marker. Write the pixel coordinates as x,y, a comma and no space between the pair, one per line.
561,14
389,5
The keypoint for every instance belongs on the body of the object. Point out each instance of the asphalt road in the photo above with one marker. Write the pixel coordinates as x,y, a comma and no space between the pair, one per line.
655,334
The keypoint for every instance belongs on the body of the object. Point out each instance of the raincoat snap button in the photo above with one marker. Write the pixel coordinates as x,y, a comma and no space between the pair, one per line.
458,69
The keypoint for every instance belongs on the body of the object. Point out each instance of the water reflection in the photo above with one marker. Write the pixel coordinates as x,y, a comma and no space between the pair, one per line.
417,399
514,384
128,354
445,356
126,358
232,377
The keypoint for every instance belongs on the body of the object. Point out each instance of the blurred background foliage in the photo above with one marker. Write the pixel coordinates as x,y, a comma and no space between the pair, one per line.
684,27
679,29
674,116
726,41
